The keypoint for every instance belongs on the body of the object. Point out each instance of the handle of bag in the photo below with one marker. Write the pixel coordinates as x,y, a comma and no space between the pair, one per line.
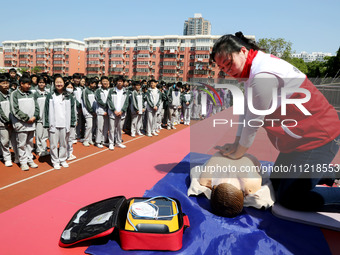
186,221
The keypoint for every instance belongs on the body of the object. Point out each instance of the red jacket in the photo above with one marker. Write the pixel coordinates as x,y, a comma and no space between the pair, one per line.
311,131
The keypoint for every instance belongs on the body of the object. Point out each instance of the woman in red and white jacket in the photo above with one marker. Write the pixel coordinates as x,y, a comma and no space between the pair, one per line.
306,134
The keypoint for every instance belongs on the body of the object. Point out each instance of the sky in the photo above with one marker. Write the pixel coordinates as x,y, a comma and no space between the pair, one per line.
310,25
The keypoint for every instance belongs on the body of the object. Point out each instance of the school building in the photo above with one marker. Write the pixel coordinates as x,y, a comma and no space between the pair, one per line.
56,56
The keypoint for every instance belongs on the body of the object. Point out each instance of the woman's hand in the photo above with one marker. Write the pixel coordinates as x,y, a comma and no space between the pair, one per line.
232,150
227,149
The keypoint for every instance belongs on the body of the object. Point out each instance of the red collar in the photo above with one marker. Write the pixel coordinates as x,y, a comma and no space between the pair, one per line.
246,69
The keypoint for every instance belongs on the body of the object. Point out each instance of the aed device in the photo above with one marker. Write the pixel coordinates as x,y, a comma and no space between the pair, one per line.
154,215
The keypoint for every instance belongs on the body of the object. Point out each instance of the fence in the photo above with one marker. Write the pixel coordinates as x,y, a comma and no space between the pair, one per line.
332,93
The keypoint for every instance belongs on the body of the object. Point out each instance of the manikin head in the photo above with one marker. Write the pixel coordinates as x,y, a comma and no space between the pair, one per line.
226,200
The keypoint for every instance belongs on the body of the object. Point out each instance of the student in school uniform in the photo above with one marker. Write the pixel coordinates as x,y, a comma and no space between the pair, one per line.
79,85
153,98
5,123
118,102
34,84
24,113
72,137
165,111
186,99
41,134
144,116
13,86
89,104
137,109
160,110
13,76
60,116
195,110
101,110
174,99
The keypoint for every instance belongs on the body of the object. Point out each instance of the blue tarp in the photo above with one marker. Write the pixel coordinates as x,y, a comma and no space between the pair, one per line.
253,232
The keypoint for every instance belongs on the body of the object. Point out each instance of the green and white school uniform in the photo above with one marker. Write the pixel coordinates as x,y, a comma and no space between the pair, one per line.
187,97
24,106
117,100
60,116
41,134
136,106
88,106
153,98
101,95
5,130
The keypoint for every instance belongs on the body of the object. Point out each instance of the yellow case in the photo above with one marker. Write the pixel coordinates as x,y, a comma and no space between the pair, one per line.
172,224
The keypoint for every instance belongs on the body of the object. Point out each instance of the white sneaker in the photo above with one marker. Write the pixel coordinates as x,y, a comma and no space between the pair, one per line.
139,133
157,131
133,135
168,128
87,144
74,141
32,164
71,157
111,147
64,164
91,142
56,166
24,167
99,145
8,163
173,127
154,133
149,135
120,145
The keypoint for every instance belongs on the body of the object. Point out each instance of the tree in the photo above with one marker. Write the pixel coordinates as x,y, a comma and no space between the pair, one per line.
316,69
299,64
36,69
333,65
278,47
22,69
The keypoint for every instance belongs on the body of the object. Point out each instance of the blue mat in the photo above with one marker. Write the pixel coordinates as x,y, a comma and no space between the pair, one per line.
252,232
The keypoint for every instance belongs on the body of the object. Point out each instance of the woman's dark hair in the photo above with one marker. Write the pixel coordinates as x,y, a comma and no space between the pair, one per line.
56,76
226,200
68,83
227,44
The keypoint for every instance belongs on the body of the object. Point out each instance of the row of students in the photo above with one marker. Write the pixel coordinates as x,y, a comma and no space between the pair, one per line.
57,112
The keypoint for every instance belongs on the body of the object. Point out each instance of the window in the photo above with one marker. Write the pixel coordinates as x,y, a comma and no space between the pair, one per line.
171,40
170,55
169,63
143,41
143,56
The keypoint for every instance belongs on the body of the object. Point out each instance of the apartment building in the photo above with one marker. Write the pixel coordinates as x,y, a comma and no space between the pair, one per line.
314,56
168,58
197,26
1,57
56,56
